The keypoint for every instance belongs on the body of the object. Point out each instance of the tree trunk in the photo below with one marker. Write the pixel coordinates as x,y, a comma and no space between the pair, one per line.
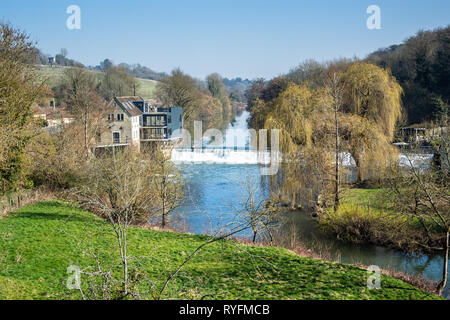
163,222
358,170
442,285
336,196
121,234
125,267
254,236
86,135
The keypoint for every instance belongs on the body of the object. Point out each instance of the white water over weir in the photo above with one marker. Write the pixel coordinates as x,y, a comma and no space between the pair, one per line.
224,156
242,156
236,148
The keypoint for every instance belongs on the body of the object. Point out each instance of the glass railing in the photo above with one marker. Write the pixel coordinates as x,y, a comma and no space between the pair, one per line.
153,136
161,123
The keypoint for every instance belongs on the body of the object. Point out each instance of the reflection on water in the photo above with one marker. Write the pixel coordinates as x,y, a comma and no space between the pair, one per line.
214,195
313,238
214,192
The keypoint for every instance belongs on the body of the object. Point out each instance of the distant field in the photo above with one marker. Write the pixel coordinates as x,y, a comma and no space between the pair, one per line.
54,77
146,88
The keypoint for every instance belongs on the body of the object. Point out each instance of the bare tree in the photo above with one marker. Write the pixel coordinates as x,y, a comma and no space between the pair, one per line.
166,183
84,103
261,214
64,52
119,188
335,89
421,193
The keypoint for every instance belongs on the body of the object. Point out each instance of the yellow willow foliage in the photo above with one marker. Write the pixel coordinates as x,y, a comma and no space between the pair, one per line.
259,113
368,145
373,93
307,138
291,113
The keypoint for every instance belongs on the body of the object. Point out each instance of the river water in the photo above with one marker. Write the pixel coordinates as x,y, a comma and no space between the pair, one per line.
215,192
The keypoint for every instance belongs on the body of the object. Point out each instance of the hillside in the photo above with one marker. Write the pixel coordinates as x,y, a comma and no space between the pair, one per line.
54,75
421,64
39,242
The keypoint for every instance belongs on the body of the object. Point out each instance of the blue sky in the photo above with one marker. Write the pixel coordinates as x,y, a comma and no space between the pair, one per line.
246,38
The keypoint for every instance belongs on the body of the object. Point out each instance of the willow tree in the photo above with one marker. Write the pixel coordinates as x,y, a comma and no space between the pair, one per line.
368,145
373,93
296,112
308,140
291,112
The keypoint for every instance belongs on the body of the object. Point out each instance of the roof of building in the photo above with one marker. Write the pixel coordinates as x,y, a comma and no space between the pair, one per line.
51,113
126,103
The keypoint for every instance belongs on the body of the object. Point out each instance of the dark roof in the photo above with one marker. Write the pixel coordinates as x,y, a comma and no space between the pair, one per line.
126,103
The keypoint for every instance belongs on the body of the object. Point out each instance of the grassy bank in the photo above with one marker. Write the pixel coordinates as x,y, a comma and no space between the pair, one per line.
39,242
366,216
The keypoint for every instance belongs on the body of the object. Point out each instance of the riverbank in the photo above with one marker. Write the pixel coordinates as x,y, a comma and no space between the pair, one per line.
366,216
39,242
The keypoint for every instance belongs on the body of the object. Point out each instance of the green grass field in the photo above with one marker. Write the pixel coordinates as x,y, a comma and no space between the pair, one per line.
39,242
145,88
375,199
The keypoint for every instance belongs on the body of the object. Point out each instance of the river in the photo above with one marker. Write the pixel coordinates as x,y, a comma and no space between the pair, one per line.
214,195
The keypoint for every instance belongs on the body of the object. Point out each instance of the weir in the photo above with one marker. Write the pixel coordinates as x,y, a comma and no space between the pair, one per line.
236,148
221,155
239,155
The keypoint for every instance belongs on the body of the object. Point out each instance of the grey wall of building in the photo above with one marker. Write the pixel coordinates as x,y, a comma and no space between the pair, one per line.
176,123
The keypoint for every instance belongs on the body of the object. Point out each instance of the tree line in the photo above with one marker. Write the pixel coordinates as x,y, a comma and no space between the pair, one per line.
422,67
207,101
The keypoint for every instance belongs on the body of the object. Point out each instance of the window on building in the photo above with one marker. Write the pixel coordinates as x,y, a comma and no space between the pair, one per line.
120,117
169,119
116,137
170,132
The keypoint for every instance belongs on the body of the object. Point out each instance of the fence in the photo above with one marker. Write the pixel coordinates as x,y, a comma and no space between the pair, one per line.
13,201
